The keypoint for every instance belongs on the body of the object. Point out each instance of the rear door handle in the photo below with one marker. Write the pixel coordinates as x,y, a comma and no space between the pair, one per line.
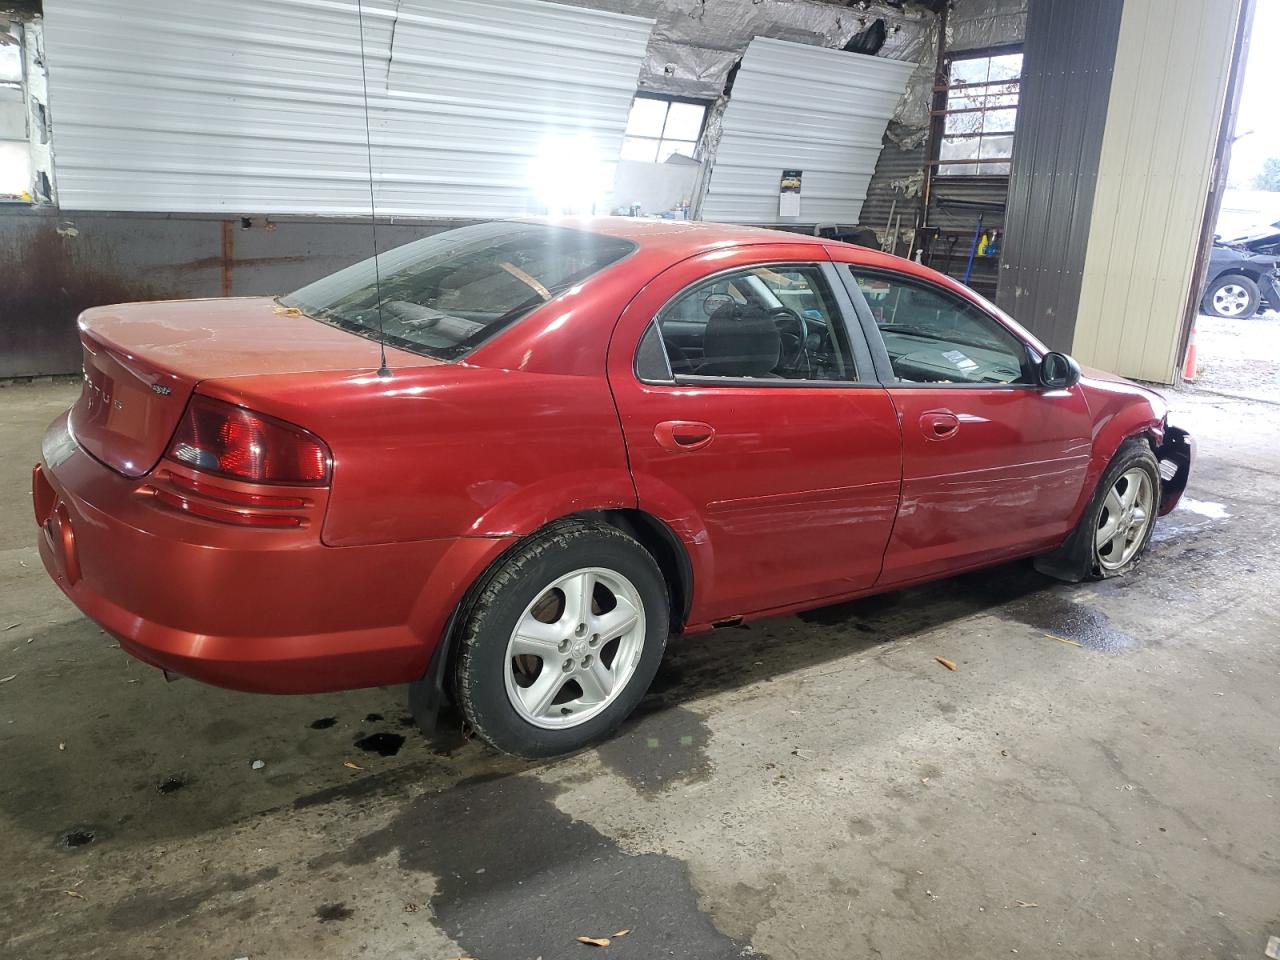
939,424
683,435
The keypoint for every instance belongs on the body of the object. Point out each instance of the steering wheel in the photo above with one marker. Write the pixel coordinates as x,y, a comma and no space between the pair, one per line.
793,331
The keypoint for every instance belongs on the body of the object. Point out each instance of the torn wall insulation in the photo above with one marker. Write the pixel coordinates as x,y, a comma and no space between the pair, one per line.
148,116
796,106
973,24
895,188
20,9
912,113
695,43
40,138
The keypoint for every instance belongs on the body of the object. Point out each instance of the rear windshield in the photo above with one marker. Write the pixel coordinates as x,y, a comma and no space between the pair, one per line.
445,294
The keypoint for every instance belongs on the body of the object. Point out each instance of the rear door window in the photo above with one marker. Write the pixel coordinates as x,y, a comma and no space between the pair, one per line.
770,322
445,294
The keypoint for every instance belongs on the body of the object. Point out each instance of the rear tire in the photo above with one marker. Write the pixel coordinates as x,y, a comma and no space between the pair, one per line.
562,641
1233,296
1115,530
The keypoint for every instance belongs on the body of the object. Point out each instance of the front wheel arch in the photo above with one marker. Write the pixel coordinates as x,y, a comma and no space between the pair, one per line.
1075,560
1246,280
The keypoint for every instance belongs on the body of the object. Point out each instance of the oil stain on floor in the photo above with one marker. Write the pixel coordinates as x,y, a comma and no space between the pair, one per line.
77,837
333,912
517,877
173,783
383,744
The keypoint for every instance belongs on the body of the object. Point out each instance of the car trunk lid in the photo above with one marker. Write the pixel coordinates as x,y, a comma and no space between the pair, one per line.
142,361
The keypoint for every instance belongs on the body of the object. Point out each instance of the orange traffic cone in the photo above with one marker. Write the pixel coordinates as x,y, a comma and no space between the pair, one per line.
1189,367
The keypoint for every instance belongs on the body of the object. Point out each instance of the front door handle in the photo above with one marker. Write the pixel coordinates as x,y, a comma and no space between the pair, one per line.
683,435
939,424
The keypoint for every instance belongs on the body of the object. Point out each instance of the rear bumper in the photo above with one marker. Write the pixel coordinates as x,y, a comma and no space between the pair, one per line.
261,610
1175,454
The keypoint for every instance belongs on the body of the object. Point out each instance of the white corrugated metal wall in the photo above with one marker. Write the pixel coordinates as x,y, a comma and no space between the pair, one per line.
236,105
801,107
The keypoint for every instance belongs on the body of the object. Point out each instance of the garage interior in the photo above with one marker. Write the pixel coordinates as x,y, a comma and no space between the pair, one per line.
1097,776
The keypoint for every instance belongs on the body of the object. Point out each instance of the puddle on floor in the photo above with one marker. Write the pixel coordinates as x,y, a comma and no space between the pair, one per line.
658,749
1060,617
514,876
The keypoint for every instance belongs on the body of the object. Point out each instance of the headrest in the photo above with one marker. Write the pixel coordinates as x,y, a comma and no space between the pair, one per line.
741,341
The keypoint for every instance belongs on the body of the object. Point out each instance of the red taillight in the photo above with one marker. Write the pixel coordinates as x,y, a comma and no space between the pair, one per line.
209,511
230,441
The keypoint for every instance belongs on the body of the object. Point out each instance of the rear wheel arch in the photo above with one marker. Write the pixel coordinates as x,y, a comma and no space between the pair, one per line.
666,549
579,547
428,693
652,533
526,511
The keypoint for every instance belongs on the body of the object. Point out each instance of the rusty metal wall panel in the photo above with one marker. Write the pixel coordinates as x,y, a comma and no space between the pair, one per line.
800,107
57,264
236,105
1069,53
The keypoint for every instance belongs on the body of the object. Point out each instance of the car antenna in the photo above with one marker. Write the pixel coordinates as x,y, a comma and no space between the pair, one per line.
383,370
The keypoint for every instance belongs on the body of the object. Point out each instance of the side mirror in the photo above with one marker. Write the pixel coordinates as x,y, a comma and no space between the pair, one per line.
1058,371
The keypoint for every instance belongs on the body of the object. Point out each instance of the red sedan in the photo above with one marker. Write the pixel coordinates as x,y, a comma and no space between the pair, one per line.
584,437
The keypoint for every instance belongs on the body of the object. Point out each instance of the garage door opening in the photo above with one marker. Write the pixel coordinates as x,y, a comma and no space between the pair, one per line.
1237,334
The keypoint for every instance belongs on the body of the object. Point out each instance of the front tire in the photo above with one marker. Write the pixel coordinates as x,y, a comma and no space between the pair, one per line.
1233,296
562,641
1115,530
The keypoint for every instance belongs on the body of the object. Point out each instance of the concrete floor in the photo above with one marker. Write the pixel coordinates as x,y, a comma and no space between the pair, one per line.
813,787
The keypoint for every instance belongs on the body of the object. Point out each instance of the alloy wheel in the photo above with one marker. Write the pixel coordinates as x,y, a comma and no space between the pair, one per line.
1231,300
1127,513
575,648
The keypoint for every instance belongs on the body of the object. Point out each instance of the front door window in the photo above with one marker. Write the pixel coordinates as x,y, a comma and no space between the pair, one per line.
934,337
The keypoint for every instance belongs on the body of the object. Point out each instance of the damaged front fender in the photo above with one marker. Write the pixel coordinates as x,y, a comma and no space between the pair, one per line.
1269,288
1175,455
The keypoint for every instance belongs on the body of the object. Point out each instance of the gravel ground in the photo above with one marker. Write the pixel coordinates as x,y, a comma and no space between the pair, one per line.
1240,356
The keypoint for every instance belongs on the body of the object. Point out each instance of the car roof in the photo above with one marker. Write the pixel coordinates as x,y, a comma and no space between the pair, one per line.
678,238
